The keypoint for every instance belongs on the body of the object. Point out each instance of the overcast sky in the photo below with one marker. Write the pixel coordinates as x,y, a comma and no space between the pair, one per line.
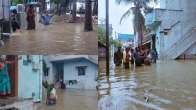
115,13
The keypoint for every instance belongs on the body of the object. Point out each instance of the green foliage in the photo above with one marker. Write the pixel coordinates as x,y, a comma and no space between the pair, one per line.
101,35
56,1
15,2
116,43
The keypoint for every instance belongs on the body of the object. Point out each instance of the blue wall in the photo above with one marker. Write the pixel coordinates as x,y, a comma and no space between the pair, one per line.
30,81
71,73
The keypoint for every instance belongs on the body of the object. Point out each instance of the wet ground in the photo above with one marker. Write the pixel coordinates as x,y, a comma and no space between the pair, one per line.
168,85
70,99
58,38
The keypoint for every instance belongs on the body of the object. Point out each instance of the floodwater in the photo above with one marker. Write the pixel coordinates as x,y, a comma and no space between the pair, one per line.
73,99
70,99
167,85
57,38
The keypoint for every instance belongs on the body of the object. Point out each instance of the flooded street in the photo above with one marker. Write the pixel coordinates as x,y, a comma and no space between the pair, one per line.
167,85
58,38
70,99
73,99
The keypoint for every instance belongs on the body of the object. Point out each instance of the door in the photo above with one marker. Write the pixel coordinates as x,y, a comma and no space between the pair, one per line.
13,73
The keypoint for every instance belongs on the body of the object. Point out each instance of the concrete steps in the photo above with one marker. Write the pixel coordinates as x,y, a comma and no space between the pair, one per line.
181,45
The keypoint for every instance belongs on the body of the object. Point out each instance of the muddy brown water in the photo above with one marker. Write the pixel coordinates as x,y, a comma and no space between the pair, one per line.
70,99
58,38
167,85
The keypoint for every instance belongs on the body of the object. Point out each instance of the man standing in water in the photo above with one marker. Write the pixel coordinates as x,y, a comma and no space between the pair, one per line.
30,18
118,56
126,58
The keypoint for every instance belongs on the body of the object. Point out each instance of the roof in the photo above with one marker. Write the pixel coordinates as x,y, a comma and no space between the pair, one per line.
91,58
125,37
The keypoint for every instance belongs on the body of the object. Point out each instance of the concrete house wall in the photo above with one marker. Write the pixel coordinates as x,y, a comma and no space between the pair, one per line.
71,73
187,17
70,64
179,16
30,80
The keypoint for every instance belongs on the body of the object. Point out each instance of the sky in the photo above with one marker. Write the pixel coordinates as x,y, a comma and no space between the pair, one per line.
115,13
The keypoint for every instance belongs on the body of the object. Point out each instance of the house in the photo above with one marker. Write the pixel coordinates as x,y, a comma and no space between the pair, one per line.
26,76
175,35
76,71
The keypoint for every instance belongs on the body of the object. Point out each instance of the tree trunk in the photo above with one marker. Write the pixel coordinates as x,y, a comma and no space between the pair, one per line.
60,8
74,9
95,8
88,26
43,5
138,23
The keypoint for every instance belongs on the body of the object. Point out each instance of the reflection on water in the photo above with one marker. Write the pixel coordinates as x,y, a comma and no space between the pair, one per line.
69,99
58,38
163,86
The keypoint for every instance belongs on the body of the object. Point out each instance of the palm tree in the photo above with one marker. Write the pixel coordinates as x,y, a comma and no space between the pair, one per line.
139,21
88,26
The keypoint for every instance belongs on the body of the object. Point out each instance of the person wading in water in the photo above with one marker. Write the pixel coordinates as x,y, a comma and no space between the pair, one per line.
118,56
126,58
30,18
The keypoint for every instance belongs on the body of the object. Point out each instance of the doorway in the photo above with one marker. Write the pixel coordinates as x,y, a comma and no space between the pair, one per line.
13,74
59,71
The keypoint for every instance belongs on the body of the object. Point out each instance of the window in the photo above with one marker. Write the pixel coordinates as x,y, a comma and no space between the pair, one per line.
81,70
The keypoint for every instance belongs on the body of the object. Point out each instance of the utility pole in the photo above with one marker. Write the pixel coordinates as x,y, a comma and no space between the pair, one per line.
107,40
3,6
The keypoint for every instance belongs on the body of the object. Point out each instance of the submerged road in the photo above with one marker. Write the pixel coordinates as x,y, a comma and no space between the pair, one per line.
167,85
58,38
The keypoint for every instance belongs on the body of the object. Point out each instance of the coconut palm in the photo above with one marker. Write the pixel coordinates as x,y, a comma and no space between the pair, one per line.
88,26
139,6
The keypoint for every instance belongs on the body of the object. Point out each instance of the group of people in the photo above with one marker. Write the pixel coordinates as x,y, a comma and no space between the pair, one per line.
137,56
30,19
